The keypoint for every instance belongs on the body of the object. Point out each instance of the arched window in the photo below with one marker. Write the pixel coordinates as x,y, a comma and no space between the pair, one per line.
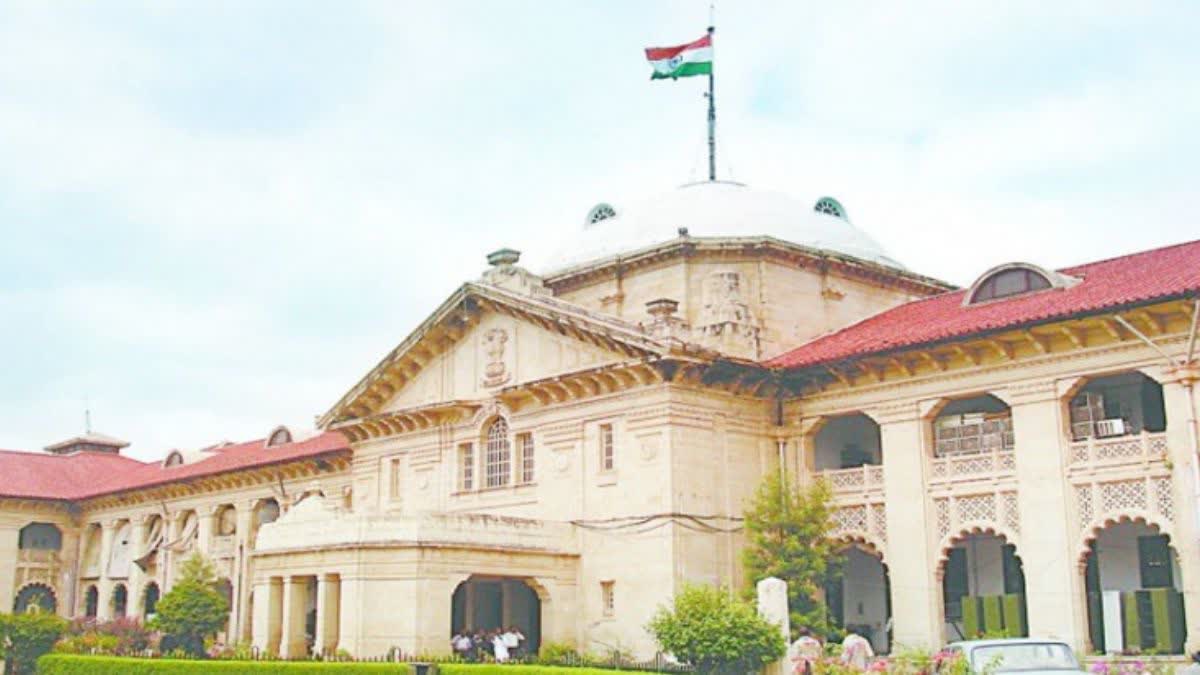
35,598
150,600
91,601
831,207
600,212
41,536
498,460
280,436
1014,279
120,600
174,458
1010,282
267,511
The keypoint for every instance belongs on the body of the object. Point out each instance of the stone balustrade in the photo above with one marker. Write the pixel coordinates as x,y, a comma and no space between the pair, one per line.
982,466
1132,449
856,479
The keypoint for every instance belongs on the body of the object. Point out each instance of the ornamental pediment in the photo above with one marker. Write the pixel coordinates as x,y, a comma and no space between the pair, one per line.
485,339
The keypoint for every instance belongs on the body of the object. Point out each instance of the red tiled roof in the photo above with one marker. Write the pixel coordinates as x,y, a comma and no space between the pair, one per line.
1133,279
90,474
37,475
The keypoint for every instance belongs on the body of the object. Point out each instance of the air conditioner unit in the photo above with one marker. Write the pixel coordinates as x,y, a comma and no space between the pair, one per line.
1106,428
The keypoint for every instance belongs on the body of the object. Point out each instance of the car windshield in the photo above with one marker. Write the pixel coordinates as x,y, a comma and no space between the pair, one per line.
1023,656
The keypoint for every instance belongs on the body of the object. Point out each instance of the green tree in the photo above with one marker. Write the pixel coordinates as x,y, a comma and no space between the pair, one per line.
716,633
787,537
24,637
193,609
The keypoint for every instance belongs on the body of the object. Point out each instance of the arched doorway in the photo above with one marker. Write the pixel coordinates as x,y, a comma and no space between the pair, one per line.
1132,581
120,600
482,604
859,600
150,600
983,589
35,598
91,602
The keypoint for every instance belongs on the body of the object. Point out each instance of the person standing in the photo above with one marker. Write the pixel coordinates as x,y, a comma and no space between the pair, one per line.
856,651
804,652
513,639
462,644
499,648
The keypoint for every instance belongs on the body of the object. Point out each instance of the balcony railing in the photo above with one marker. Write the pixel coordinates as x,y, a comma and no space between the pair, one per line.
976,465
38,556
1119,449
856,479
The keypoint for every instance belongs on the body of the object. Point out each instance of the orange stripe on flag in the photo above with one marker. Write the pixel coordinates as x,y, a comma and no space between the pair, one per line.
660,53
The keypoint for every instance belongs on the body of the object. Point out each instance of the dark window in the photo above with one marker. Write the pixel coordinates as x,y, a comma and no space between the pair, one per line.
954,583
1154,558
43,536
151,600
1014,576
91,602
1010,282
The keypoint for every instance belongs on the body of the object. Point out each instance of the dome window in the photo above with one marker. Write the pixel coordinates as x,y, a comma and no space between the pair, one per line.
1014,279
280,435
600,212
831,207
174,458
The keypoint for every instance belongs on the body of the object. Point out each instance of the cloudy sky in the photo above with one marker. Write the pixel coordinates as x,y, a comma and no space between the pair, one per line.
217,216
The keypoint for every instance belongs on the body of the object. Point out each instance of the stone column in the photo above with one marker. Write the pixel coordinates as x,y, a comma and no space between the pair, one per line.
1183,410
206,518
1048,546
291,642
328,613
137,578
350,616
10,545
171,530
916,589
104,587
268,612
240,620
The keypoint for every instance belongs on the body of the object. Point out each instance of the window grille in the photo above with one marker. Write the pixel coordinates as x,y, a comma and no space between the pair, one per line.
607,460
525,441
466,467
608,597
498,459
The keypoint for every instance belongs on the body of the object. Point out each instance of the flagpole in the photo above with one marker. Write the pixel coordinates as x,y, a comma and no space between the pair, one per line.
712,112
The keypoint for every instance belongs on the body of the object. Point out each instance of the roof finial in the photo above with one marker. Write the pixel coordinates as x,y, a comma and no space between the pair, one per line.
87,415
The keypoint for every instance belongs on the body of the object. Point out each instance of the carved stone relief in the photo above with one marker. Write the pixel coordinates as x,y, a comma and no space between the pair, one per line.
495,373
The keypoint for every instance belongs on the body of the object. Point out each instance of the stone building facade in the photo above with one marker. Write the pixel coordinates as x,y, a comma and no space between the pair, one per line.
561,451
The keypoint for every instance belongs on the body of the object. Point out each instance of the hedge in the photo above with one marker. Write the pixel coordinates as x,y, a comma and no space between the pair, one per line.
515,669
74,664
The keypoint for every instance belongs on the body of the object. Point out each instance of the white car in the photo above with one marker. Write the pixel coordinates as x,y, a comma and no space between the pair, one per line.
1018,655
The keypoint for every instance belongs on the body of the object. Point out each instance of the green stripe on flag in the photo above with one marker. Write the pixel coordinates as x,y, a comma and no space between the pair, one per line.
684,70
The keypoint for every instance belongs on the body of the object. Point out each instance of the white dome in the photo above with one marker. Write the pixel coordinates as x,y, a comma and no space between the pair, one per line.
714,209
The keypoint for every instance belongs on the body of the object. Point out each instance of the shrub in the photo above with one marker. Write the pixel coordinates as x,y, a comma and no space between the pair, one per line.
124,636
25,637
192,610
72,664
716,633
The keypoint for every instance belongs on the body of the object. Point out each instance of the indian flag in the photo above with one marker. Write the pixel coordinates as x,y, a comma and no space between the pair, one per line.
694,58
